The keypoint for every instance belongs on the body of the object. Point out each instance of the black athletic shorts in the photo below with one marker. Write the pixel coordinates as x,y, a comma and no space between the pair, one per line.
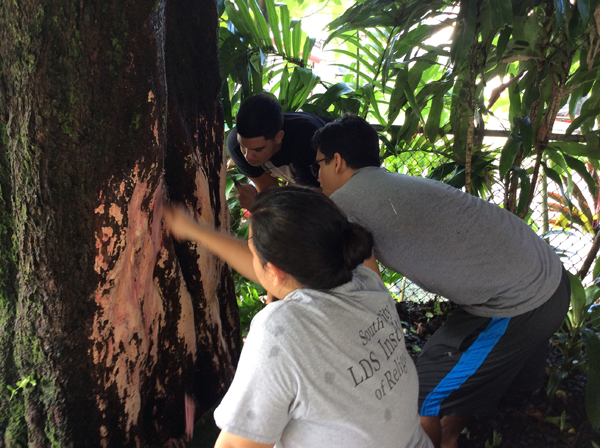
470,362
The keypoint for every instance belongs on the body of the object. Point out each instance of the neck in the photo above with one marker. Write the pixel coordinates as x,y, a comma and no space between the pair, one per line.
347,174
290,286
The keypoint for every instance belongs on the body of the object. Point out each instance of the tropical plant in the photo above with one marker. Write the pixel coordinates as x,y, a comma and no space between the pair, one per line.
549,50
249,294
579,342
263,49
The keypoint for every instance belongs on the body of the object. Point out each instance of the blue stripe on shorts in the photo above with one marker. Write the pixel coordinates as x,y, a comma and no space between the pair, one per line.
468,364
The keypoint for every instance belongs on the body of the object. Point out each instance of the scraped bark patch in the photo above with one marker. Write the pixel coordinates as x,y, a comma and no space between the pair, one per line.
131,308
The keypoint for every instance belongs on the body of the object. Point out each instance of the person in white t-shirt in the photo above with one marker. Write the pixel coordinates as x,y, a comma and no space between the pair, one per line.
327,365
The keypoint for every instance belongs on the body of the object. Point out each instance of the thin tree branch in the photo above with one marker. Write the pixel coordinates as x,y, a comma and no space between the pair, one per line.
591,256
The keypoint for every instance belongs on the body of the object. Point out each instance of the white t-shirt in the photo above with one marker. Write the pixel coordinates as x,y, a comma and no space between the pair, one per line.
326,369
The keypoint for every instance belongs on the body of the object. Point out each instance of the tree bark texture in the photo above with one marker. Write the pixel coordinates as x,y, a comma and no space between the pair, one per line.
108,108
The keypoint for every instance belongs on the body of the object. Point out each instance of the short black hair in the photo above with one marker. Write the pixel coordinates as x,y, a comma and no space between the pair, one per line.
303,233
353,138
259,116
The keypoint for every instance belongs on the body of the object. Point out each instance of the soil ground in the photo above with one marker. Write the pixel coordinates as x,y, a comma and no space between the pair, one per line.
536,421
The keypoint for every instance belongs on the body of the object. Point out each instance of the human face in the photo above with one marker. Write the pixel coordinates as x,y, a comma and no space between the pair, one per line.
258,150
326,173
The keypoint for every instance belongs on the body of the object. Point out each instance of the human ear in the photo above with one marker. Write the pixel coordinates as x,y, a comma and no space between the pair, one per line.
276,276
279,136
340,163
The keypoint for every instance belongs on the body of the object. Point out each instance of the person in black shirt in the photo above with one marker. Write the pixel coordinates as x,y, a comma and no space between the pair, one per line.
267,145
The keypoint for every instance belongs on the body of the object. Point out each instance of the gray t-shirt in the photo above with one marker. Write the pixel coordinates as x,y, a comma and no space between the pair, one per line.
451,243
326,369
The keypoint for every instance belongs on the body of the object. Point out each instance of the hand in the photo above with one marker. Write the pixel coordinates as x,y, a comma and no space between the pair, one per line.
245,194
179,222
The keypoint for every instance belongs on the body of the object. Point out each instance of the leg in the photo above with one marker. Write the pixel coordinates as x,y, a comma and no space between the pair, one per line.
432,427
452,428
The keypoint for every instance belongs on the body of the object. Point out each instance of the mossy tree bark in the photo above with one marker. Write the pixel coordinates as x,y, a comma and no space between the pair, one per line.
108,108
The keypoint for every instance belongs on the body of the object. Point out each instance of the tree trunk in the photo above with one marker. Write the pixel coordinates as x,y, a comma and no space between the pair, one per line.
107,109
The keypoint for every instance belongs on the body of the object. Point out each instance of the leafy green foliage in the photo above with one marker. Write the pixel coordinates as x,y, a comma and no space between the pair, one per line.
579,342
429,98
27,381
263,50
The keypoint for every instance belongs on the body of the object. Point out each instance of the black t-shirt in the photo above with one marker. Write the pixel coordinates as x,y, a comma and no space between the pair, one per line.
295,156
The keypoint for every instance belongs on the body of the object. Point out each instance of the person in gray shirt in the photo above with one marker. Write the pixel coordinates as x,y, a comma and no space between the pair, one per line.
327,365
511,287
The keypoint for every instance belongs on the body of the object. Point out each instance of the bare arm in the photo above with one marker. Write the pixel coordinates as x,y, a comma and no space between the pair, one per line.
234,251
228,440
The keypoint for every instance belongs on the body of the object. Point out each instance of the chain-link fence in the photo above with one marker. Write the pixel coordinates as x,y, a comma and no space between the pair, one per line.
571,239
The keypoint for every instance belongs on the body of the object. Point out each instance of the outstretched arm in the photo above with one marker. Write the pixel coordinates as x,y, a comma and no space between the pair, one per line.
227,440
234,251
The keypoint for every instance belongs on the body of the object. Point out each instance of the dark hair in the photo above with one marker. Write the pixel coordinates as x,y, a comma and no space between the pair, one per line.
353,138
303,233
259,116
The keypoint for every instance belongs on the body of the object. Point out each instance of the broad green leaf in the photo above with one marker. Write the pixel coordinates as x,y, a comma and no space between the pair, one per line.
559,160
220,7
274,24
464,31
296,38
502,41
238,20
397,96
578,299
575,97
333,94
256,76
410,96
502,14
369,92
531,95
359,58
584,10
576,149
582,119
560,10
525,189
592,393
387,61
416,71
285,29
308,46
581,169
244,13
388,144
509,152
556,178
284,84
261,23
514,95
596,273
432,126
409,128
526,131
375,41
532,30
358,49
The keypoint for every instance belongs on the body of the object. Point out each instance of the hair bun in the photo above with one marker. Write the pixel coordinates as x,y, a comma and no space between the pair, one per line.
358,245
